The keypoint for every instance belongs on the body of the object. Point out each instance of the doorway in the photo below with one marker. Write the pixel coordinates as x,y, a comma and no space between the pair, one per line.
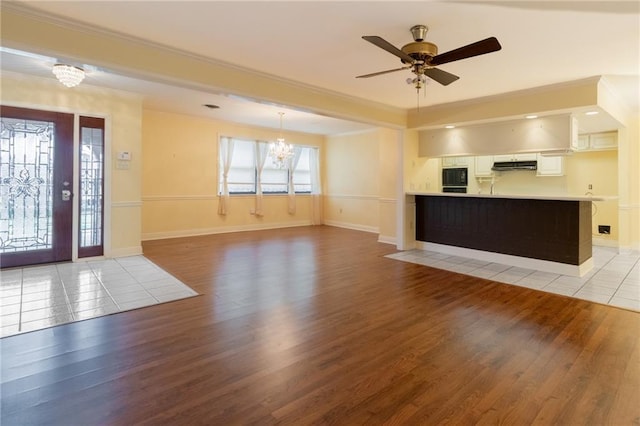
37,187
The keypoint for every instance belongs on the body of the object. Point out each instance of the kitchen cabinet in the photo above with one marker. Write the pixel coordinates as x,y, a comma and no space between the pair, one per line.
607,140
550,165
483,166
455,161
597,141
515,157
582,144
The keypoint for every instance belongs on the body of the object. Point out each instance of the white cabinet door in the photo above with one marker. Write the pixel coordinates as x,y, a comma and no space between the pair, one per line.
603,140
455,161
597,141
525,157
515,157
483,165
550,166
582,143
501,158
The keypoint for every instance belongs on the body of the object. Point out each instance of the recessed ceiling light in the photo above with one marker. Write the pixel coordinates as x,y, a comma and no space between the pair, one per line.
591,113
450,126
530,116
211,106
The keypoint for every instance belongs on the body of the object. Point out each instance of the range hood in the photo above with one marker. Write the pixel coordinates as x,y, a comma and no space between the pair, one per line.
501,166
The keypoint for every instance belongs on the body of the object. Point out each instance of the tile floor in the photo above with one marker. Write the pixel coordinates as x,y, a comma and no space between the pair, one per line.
43,296
614,280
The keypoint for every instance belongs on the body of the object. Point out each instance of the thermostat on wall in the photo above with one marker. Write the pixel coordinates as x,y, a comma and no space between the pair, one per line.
124,155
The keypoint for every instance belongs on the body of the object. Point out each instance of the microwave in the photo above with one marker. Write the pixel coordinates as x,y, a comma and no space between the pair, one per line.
454,177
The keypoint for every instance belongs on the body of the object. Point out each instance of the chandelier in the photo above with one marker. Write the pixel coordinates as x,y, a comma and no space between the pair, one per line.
279,151
68,75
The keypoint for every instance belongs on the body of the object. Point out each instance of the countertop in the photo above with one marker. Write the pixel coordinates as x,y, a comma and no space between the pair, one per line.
523,197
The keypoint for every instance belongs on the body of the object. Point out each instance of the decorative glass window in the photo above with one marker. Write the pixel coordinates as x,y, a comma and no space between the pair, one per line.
91,199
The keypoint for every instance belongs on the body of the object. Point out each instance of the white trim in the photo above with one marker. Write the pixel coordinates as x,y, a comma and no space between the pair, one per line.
603,242
125,251
506,259
387,200
221,230
629,206
354,197
386,239
353,226
213,197
125,204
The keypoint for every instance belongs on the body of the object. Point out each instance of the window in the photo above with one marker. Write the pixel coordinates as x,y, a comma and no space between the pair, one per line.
242,176
242,173
91,201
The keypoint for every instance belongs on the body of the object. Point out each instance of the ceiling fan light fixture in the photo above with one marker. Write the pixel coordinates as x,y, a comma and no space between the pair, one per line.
419,32
68,75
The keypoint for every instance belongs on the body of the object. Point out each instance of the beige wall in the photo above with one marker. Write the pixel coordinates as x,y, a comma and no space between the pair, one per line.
351,181
122,112
599,169
361,172
180,179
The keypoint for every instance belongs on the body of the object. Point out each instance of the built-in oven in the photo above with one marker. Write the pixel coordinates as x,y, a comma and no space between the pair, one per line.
454,179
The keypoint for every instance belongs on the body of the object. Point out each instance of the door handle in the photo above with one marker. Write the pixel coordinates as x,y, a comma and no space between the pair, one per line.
66,195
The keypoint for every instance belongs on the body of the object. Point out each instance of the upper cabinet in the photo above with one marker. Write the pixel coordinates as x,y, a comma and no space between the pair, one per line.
515,157
483,166
596,141
455,161
550,165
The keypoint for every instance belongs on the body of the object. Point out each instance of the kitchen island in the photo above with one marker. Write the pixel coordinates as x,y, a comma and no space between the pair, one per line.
538,232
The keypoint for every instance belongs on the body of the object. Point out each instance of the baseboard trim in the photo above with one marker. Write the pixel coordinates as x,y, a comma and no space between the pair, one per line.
602,242
125,251
221,230
386,239
506,259
354,226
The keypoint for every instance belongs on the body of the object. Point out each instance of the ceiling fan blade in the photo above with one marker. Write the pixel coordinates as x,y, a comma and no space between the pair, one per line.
442,77
383,44
383,72
481,47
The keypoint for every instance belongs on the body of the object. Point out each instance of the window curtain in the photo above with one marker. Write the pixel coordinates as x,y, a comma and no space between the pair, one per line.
262,151
316,190
293,163
226,155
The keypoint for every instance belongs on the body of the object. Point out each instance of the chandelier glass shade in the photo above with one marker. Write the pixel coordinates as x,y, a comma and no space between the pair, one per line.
68,75
280,151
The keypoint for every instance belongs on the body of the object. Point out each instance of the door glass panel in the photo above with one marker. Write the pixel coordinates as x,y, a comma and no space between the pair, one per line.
91,188
26,185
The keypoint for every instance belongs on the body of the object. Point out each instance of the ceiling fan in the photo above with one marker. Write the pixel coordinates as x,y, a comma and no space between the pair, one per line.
421,57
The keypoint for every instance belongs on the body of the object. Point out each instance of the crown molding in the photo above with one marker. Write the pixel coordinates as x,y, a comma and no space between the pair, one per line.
18,19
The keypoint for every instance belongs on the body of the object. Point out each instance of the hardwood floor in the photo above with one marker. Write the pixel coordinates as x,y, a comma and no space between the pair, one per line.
314,326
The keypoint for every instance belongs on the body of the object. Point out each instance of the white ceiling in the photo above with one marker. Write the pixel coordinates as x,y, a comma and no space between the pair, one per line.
318,43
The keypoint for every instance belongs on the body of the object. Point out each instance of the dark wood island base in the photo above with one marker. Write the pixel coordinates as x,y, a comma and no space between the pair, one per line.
541,232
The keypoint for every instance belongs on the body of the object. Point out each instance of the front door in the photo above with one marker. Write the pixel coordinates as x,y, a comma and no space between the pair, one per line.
36,186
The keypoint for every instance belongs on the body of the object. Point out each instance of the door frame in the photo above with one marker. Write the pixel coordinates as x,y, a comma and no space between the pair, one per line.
62,211
76,169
